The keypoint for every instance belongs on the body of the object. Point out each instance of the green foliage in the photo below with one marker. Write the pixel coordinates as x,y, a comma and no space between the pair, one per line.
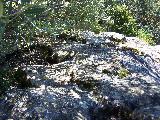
122,73
146,36
84,15
47,18
121,20
22,26
146,12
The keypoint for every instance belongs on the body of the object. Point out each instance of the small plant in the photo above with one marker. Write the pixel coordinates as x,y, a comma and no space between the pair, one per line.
122,73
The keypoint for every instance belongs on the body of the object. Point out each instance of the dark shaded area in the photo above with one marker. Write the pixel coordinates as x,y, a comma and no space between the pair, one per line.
70,38
11,72
111,111
35,54
20,79
88,84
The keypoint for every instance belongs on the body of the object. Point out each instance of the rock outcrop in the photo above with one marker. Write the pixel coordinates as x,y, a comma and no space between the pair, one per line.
109,77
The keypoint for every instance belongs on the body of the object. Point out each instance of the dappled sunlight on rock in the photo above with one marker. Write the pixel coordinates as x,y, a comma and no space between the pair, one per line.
98,82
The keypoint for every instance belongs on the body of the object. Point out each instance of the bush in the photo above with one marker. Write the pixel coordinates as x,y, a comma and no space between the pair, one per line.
146,36
121,20
48,18
84,15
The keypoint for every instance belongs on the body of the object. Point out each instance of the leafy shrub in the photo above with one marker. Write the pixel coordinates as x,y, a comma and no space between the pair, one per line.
84,15
45,19
121,20
146,36
145,12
